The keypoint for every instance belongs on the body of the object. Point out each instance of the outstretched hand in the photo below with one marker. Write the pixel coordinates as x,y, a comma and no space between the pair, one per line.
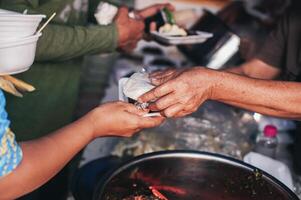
179,93
120,119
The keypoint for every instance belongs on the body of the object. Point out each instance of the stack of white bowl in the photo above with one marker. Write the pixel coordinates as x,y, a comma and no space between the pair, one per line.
18,41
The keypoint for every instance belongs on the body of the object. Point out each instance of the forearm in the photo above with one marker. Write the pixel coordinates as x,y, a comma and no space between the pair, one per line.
60,42
256,69
275,98
44,157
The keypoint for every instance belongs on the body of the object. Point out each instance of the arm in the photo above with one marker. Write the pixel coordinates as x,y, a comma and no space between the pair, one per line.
256,69
44,157
276,98
60,42
268,63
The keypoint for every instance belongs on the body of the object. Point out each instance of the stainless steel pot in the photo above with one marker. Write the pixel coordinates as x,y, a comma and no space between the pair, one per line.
187,175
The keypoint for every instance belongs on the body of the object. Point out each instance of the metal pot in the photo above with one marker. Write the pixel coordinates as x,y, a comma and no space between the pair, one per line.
187,175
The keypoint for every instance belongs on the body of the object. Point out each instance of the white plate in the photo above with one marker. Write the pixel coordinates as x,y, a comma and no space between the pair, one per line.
201,37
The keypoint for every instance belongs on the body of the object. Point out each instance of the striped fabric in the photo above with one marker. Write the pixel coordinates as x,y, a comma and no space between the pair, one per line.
10,151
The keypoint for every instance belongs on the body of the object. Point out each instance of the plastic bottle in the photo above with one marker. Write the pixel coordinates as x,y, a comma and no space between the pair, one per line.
266,142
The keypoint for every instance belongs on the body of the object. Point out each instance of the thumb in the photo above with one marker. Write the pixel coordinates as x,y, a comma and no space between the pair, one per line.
134,110
122,12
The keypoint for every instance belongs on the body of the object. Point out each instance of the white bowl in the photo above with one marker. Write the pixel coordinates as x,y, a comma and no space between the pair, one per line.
2,11
18,25
18,55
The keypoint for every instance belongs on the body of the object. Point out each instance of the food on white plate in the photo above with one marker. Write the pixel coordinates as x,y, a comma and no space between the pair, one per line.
172,30
137,85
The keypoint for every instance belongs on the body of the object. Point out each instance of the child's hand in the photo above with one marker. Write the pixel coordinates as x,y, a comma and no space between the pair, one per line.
120,119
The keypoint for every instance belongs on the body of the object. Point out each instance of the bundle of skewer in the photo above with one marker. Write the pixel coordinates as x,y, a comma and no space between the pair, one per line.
14,86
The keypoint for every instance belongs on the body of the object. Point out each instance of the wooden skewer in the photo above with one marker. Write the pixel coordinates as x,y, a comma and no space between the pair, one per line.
45,24
9,87
19,84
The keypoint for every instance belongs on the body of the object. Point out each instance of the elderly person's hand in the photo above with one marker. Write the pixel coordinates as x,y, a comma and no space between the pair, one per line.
180,92
119,119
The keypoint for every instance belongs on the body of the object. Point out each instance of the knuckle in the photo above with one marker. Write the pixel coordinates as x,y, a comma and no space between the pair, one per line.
194,109
168,114
157,93
159,105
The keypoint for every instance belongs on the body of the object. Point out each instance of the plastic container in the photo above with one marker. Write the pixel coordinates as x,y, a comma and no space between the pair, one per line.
266,143
15,26
18,55
2,11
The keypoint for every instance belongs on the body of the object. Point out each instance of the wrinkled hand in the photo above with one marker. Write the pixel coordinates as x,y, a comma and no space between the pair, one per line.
183,92
130,31
120,119
160,77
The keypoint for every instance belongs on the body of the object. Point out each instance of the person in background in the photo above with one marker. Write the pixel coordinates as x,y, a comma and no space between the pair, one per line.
27,166
268,84
58,67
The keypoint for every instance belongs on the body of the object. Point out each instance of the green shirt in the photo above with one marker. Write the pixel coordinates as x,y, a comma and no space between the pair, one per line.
57,69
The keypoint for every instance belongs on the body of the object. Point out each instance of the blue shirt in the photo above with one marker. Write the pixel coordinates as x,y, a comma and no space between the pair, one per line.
10,151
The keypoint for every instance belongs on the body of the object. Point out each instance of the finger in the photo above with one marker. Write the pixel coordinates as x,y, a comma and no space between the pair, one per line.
155,73
164,102
161,79
153,26
134,110
122,12
173,110
149,122
152,10
182,114
170,7
156,93
158,74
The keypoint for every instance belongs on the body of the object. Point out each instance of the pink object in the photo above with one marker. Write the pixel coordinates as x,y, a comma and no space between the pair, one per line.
270,131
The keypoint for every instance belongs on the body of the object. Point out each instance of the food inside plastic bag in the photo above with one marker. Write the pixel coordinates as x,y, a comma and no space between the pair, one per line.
137,85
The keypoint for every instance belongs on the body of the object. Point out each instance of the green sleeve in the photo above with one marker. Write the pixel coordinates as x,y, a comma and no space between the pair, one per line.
60,42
